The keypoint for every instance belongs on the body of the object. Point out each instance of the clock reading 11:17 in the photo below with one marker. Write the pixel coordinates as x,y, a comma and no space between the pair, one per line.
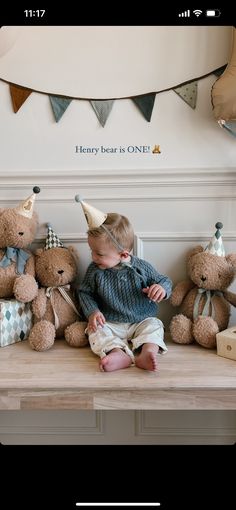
34,14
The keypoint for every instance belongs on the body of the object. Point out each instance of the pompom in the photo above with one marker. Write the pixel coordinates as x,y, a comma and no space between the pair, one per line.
36,189
219,224
78,198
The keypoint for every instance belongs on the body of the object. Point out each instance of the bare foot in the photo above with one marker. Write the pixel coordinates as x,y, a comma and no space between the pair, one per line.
115,360
147,359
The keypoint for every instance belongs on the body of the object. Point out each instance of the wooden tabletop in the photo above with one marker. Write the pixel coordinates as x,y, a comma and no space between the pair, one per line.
189,377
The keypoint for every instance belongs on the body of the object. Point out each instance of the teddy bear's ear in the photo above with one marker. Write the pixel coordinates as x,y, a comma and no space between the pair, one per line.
231,259
38,252
194,251
74,253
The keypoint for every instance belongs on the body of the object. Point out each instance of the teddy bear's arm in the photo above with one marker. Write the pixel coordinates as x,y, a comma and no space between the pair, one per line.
39,304
230,297
180,291
30,266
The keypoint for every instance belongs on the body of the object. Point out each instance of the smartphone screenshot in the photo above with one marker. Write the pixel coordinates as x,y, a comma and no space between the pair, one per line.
117,348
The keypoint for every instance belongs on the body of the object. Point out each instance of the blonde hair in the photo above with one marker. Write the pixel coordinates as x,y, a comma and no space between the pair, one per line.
119,227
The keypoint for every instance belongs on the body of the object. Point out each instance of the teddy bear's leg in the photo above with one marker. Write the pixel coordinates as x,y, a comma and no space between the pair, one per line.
181,329
42,336
25,288
75,334
204,331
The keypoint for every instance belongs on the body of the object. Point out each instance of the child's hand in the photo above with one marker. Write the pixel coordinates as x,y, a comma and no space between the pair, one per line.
96,318
155,293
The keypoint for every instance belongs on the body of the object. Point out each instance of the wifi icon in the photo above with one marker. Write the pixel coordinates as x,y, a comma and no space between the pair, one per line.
197,12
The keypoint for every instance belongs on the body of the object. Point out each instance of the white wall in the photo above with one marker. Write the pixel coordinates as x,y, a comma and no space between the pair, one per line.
117,427
171,211
106,62
173,200
32,140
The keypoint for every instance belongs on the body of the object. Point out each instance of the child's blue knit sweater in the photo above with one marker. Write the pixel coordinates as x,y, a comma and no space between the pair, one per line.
117,293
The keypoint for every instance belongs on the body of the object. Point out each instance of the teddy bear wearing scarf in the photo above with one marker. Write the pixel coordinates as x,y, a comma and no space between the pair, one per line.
17,265
203,299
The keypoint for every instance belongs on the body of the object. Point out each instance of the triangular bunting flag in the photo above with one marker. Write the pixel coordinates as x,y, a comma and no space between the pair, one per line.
145,104
18,96
188,92
218,72
102,109
59,106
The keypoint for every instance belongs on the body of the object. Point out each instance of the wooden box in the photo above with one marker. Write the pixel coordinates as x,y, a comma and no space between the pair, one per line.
226,343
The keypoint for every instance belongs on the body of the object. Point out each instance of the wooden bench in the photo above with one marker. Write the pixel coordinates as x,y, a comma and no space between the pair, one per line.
189,377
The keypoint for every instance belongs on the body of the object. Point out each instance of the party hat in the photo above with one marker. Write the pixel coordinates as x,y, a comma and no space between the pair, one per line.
94,217
26,207
52,240
215,246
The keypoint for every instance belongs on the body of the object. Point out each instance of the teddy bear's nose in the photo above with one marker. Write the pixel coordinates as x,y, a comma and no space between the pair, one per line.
61,271
21,233
203,278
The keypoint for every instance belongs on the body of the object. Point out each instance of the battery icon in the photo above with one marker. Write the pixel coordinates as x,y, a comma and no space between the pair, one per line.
213,13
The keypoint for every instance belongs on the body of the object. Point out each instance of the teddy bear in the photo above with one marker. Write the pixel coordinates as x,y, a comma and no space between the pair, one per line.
17,268
55,310
203,299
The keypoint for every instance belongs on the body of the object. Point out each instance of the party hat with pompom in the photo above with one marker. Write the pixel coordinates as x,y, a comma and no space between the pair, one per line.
52,240
26,208
94,217
215,246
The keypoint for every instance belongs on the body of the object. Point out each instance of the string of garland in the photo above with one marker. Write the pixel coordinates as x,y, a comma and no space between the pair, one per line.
187,91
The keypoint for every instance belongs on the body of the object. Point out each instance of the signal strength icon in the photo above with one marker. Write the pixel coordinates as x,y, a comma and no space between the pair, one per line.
197,12
185,14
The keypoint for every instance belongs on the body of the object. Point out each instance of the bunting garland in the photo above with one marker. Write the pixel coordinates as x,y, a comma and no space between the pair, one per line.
18,96
102,107
218,72
59,105
102,110
145,104
188,93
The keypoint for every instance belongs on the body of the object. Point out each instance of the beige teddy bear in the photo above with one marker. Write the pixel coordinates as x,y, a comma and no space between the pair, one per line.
17,269
203,299
55,308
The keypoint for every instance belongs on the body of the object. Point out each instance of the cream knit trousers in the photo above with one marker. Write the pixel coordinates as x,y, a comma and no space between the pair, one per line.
118,335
